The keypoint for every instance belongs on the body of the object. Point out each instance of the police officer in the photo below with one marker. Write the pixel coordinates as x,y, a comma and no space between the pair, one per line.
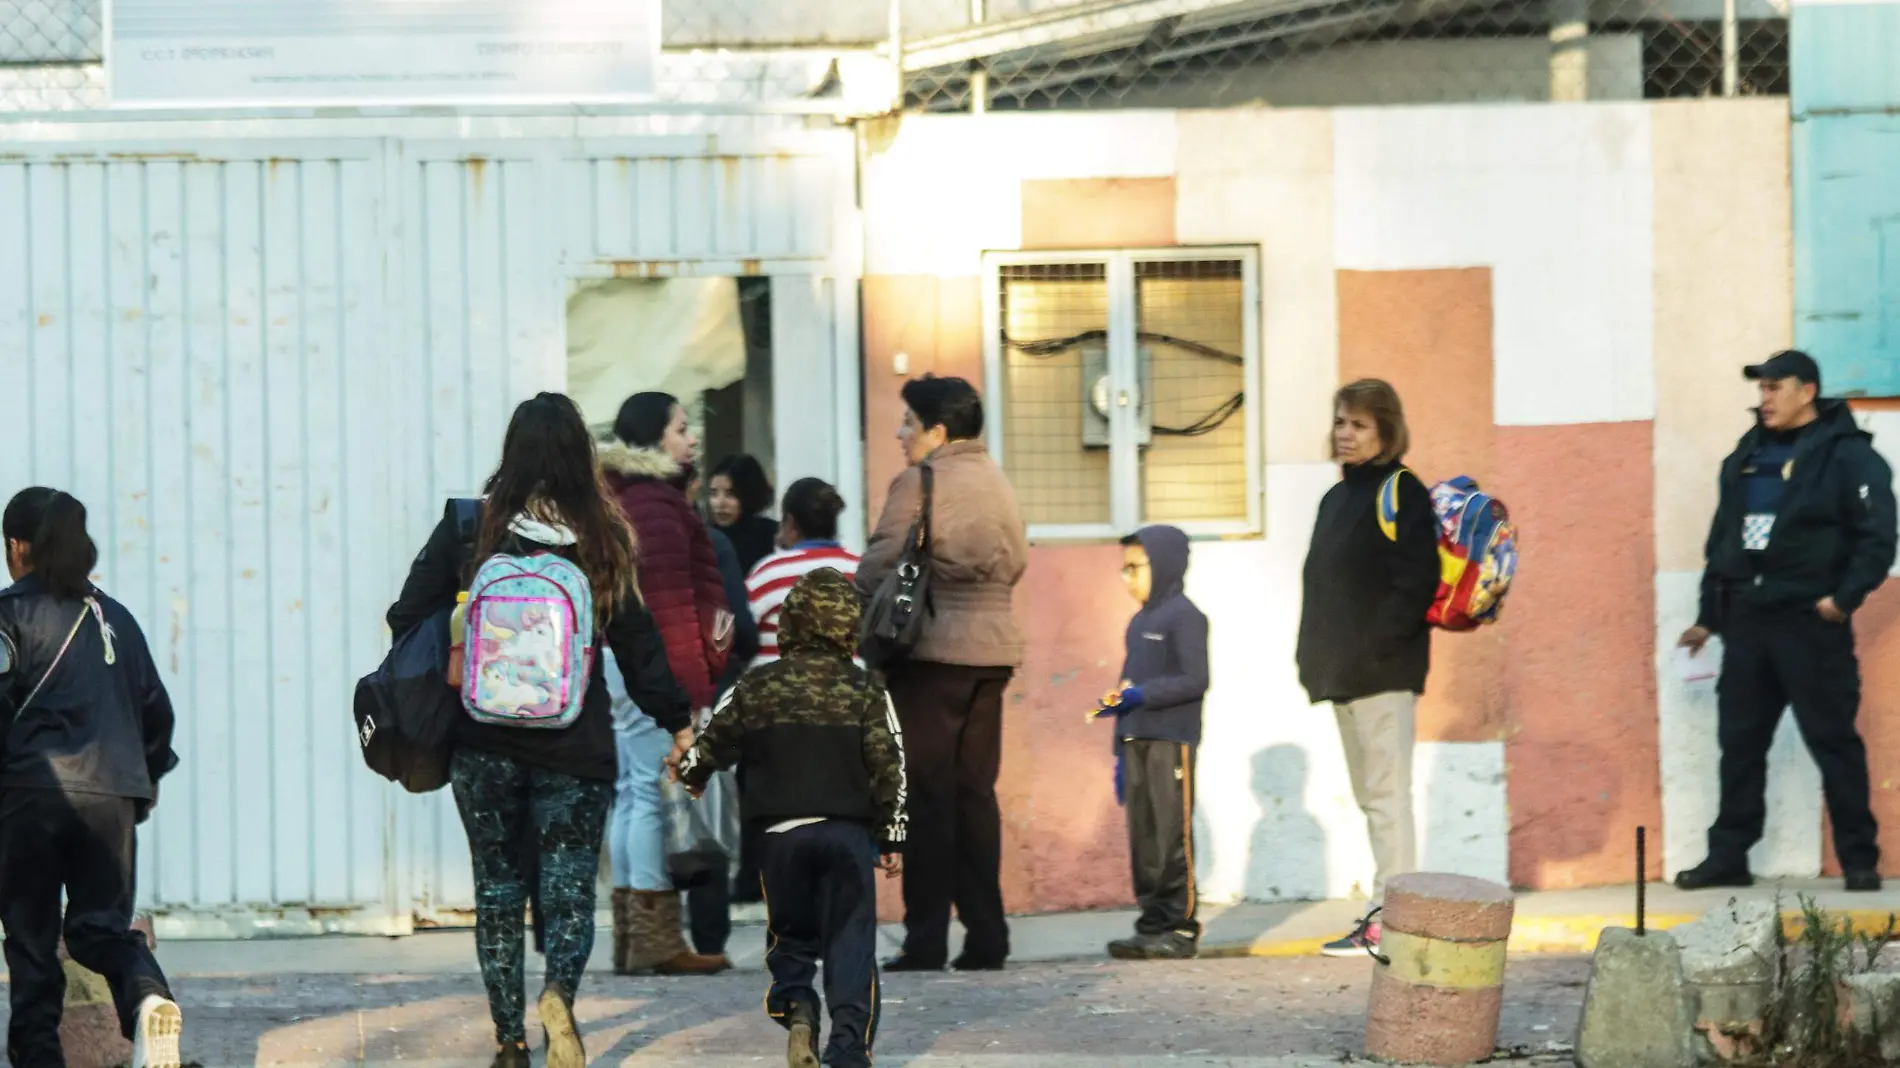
1804,531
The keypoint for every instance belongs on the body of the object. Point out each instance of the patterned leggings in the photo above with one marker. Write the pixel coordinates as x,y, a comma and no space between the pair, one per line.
499,798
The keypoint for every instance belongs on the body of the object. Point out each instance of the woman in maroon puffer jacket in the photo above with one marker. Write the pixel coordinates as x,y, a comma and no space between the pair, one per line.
647,470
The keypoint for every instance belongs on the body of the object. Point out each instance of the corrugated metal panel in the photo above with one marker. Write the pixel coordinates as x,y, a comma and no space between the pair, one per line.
201,368
687,207
266,367
482,287
1846,147
494,236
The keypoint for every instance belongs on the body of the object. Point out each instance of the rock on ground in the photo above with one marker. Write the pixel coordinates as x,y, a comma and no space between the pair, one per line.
1730,961
1871,1008
1636,1012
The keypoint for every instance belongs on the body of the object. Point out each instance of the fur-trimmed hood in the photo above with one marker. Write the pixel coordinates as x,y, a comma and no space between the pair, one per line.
632,461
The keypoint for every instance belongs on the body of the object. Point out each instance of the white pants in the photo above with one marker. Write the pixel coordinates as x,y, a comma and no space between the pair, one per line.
1378,733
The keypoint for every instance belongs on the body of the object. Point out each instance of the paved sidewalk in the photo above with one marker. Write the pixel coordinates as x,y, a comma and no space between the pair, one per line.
1287,1013
1548,922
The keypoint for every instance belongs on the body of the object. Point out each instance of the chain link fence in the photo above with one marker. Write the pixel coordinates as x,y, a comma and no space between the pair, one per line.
961,55
1319,53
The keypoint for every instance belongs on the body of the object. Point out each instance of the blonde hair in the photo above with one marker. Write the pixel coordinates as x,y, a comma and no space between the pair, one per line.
1376,398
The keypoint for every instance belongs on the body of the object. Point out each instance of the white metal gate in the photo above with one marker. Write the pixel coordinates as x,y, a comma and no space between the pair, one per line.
194,337
265,363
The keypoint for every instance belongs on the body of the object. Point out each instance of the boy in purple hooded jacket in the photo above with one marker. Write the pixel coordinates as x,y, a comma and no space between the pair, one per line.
1157,717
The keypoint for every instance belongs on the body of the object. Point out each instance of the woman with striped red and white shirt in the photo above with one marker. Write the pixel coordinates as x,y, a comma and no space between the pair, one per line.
808,532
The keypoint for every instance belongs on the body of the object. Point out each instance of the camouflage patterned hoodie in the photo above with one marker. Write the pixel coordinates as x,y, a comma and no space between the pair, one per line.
819,737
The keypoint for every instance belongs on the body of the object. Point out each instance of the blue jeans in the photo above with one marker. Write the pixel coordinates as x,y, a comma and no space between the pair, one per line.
637,835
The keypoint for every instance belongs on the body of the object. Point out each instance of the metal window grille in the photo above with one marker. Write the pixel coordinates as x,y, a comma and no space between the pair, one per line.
1123,386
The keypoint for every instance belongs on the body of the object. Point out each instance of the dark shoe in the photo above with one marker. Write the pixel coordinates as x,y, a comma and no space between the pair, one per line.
686,962
1864,881
1362,942
1170,946
904,962
968,963
563,1035
514,1055
1709,874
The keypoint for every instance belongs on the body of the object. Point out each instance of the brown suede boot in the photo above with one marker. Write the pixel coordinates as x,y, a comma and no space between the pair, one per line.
623,931
658,944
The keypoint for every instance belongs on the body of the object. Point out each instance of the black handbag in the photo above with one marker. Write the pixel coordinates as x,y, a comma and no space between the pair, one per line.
894,620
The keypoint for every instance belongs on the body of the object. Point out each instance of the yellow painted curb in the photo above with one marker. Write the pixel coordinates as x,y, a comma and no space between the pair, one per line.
1552,935
1440,963
1268,947
1578,934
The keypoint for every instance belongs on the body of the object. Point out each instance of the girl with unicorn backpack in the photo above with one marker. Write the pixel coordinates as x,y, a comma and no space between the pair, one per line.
549,578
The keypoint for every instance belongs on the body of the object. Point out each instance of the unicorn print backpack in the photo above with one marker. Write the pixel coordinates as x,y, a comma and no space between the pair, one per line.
530,647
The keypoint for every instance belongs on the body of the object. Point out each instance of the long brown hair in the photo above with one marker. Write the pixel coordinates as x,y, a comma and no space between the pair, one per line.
548,472
1376,398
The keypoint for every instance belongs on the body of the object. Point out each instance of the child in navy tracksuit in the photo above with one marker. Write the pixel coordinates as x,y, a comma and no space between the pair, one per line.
1157,717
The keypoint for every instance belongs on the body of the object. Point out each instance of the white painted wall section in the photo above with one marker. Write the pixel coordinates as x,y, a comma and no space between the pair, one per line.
940,190
1556,199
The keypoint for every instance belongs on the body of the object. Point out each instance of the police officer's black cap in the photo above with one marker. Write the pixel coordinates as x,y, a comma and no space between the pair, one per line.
1789,363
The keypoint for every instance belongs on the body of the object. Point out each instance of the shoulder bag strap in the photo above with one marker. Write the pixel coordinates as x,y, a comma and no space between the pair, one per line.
84,611
923,512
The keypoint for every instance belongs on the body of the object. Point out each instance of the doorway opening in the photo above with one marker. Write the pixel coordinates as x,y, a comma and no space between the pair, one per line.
707,341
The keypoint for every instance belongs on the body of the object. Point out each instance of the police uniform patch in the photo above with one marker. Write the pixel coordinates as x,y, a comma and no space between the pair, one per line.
1755,532
7,656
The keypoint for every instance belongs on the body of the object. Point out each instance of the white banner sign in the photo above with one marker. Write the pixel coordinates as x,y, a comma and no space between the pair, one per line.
248,53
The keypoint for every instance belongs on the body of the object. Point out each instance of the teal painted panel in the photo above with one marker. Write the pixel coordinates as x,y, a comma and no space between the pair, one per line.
1847,250
1844,57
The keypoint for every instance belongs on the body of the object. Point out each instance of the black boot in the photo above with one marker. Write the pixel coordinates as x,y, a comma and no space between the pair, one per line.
1712,873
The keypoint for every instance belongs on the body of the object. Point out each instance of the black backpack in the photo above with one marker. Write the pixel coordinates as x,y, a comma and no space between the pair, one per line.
406,711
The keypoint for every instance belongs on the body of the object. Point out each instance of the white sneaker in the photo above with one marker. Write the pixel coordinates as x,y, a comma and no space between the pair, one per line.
155,1041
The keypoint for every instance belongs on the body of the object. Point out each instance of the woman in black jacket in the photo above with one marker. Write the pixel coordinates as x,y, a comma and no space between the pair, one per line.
549,787
1364,645
85,735
740,494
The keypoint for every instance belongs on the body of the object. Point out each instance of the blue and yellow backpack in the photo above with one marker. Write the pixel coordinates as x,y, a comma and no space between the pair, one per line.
1477,550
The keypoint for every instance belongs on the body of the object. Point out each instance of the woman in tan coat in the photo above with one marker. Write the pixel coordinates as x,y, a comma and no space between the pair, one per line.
949,693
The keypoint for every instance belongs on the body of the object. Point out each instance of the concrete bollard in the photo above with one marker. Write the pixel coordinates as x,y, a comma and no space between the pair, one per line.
1437,1000
89,1023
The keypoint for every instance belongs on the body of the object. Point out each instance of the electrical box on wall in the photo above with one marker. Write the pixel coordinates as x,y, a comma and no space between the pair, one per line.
1101,396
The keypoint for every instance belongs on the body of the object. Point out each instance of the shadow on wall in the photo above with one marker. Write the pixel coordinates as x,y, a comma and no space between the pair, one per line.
1285,832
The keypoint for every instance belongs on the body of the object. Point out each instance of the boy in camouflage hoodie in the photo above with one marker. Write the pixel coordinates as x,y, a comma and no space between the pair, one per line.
824,764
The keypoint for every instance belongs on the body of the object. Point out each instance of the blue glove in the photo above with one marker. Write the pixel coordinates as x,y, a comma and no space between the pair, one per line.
1132,698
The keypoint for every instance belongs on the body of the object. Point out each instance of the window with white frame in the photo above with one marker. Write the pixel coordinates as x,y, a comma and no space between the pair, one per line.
1122,388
